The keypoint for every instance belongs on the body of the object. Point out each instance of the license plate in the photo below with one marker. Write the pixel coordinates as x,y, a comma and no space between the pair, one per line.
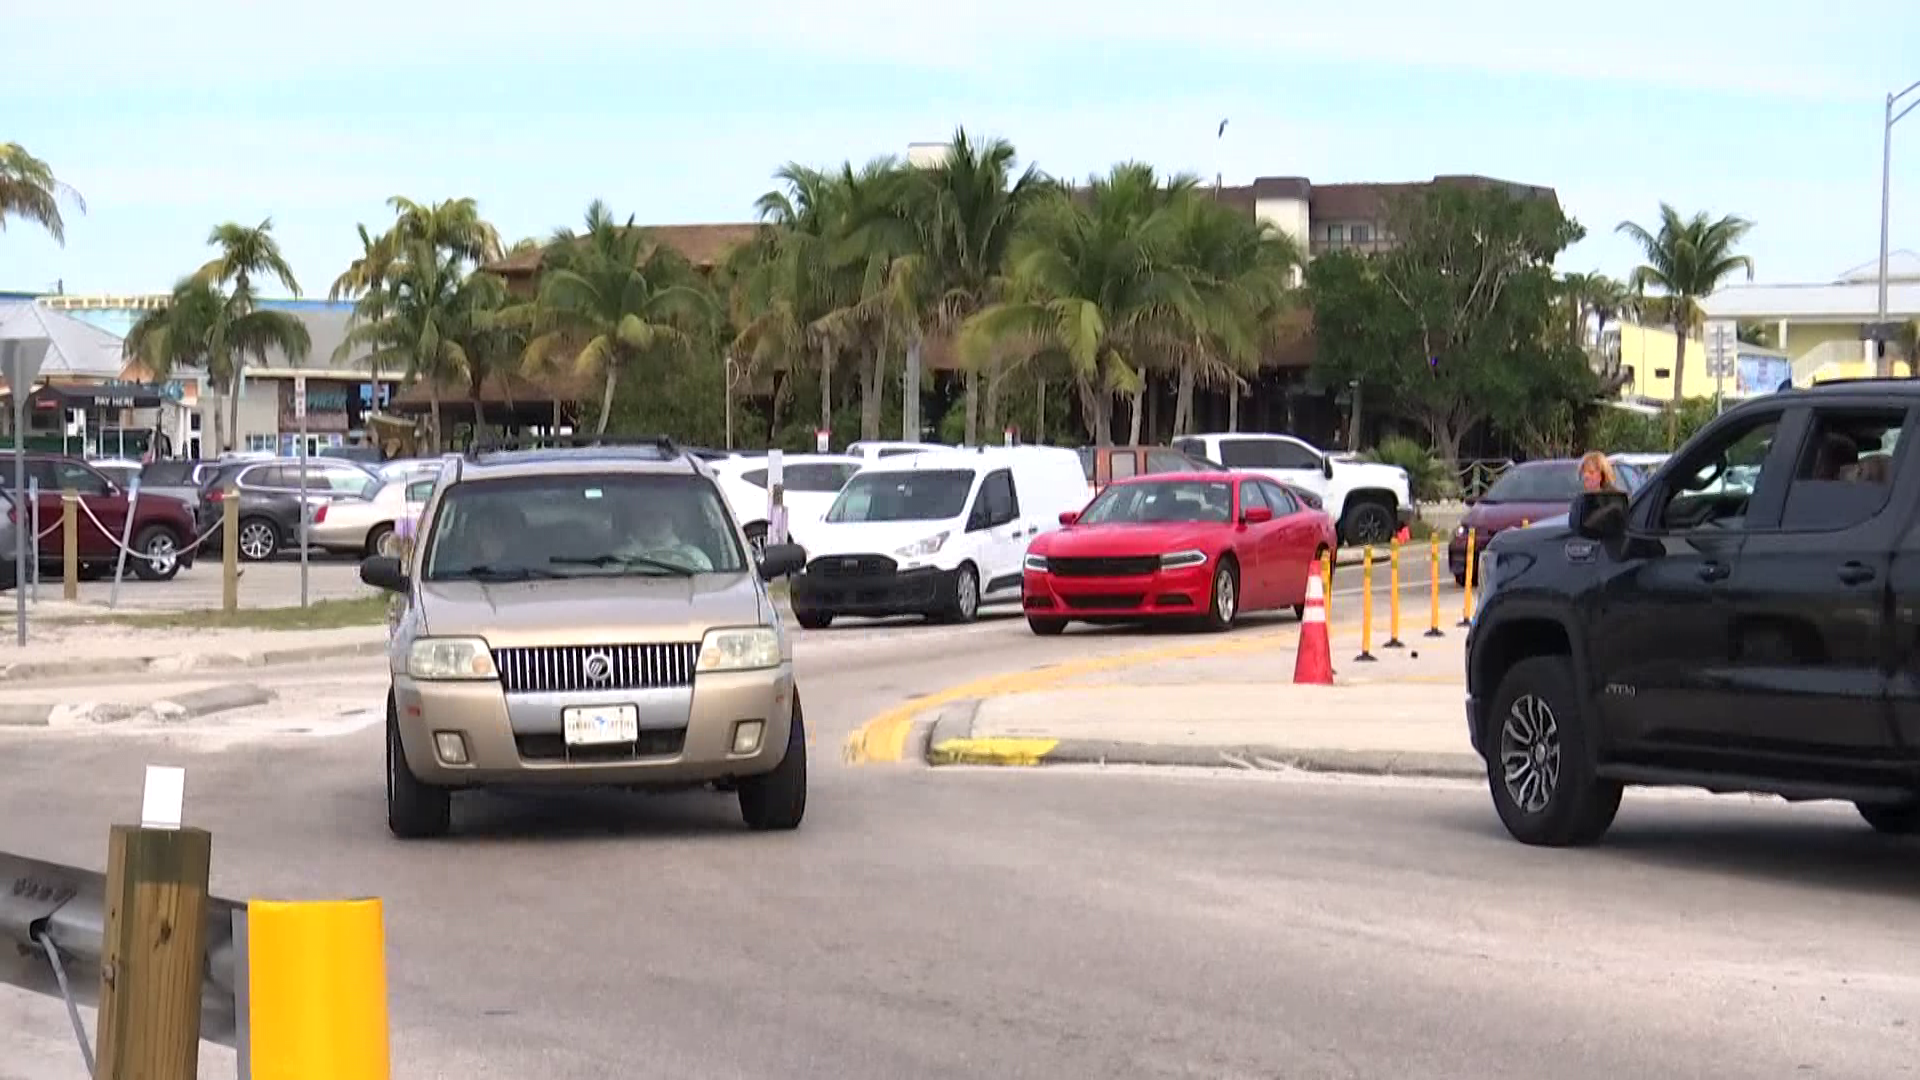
601,726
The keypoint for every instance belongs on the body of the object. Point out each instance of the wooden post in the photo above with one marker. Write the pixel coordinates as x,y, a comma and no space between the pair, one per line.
69,544
153,955
230,551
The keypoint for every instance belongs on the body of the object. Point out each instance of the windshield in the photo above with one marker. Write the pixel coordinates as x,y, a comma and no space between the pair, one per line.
581,526
1161,501
930,495
1536,481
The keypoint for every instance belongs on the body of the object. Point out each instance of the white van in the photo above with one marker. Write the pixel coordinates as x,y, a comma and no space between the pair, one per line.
936,533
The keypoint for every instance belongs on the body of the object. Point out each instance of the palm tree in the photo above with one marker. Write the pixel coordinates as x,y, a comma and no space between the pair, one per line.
28,189
429,322
243,253
1686,259
1242,270
791,285
1099,282
611,298
365,281
200,326
967,210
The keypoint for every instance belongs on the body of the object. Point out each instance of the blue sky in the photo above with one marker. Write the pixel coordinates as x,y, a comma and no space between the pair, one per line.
169,118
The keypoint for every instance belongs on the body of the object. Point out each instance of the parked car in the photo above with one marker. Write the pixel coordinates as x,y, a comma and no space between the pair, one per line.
1737,638
588,618
179,479
271,500
1368,501
872,450
1190,545
11,528
359,523
162,531
1106,464
360,455
1532,492
810,483
119,470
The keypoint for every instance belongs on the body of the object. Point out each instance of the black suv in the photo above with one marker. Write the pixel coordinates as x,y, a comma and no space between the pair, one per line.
1748,621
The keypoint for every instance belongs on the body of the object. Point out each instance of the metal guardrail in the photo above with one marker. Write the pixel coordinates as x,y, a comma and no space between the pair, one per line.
50,912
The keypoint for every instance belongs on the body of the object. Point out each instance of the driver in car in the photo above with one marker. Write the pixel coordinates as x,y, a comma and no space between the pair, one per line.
653,533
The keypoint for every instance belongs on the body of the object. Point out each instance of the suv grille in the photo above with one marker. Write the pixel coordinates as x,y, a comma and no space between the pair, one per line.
561,669
851,566
1104,566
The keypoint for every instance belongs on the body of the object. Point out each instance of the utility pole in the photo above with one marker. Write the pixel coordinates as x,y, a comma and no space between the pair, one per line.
1882,366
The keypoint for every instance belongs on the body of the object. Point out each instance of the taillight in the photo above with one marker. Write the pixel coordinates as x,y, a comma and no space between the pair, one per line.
217,495
320,514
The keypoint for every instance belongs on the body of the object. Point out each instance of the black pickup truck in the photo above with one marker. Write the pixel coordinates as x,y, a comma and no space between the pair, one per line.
1748,621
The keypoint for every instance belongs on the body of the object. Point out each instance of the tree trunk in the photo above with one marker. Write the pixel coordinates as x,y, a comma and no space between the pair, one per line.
433,427
910,393
219,428
1183,400
479,419
773,407
1446,438
828,354
994,381
973,409
1139,409
1040,409
606,400
1353,421
870,394
1233,405
1679,369
235,383
1096,411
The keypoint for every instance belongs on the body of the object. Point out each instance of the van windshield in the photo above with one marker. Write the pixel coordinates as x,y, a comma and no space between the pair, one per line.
927,495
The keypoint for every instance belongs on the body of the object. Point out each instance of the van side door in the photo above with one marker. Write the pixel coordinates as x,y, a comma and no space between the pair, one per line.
1003,533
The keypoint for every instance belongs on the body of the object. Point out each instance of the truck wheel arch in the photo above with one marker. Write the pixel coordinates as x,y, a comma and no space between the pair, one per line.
1518,636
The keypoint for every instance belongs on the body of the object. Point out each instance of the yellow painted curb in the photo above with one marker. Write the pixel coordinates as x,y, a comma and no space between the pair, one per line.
884,738
1001,750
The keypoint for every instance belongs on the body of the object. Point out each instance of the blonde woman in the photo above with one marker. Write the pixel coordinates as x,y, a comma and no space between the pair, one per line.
1596,473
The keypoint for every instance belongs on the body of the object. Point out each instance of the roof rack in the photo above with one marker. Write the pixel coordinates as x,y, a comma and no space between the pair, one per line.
662,443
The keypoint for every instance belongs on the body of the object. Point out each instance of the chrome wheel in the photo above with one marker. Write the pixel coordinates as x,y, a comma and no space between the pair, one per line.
162,554
1225,598
966,594
256,540
1530,754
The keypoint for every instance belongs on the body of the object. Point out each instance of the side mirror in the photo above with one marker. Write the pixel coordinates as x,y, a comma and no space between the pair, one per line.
1068,517
1326,467
779,560
1599,515
384,572
1256,515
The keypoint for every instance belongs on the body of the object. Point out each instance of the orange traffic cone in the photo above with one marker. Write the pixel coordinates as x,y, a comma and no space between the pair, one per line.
1313,662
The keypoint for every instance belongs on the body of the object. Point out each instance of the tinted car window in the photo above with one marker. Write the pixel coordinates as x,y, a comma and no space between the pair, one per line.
1161,501
1251,497
1266,454
819,476
997,499
1712,486
921,495
167,473
1159,461
68,474
1536,481
1277,497
1845,473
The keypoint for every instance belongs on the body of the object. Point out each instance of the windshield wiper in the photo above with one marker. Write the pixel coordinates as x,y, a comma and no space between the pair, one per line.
627,562
486,572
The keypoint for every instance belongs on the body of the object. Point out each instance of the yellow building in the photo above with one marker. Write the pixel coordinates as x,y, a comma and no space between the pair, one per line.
1644,355
1821,328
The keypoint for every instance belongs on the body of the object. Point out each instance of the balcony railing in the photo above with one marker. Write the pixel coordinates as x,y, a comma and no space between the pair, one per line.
1373,245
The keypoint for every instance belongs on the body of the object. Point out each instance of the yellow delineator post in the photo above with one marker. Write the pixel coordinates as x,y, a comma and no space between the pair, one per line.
317,990
1393,600
1433,629
1326,588
1366,606
230,551
70,544
1466,598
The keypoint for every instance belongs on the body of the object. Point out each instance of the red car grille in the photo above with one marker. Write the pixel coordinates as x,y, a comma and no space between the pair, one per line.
1107,602
1104,566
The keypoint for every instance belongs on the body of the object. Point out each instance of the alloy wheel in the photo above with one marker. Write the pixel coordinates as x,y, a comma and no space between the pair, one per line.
1530,753
968,594
1224,596
1372,524
256,541
162,554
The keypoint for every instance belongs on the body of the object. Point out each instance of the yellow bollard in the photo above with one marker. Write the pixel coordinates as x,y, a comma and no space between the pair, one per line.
1366,606
1393,600
1433,629
317,990
1326,588
1466,598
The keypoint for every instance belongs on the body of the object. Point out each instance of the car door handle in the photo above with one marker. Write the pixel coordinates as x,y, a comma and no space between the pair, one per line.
1714,571
1855,573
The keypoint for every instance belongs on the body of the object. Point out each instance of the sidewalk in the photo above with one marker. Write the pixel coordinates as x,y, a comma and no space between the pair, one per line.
1400,715
61,648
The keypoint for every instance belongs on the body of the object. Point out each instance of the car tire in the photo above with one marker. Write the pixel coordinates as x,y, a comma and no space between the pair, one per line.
377,538
1223,603
1540,758
159,554
1460,580
1046,627
1367,522
756,538
259,539
963,603
776,801
1892,819
812,620
415,811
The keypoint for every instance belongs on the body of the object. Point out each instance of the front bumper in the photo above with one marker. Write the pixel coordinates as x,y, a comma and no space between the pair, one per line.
873,590
686,732
1178,593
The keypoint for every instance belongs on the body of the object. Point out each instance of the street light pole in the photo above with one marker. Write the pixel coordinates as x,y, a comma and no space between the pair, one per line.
1881,366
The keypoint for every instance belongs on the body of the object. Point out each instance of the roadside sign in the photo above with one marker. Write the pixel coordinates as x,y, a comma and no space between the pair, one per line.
822,440
299,397
1723,346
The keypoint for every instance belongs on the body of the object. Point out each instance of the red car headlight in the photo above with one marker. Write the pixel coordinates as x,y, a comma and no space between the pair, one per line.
1174,560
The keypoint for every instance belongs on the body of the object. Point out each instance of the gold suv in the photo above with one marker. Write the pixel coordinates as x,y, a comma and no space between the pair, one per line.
587,615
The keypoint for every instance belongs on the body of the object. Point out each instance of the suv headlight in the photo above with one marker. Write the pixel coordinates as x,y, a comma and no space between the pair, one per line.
746,648
450,658
1036,563
1175,559
922,548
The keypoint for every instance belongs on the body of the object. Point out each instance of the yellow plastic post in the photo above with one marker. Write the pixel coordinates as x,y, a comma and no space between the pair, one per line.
1433,628
1326,588
1366,606
317,986
1466,598
1393,599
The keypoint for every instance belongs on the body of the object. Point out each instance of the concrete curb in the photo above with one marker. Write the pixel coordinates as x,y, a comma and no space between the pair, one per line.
188,706
950,741
178,662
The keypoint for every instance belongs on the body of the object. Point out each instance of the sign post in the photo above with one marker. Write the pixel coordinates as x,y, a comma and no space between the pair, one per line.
776,499
300,414
19,363
1723,348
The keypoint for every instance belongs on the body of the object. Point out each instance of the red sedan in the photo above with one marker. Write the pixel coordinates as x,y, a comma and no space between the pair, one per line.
1176,545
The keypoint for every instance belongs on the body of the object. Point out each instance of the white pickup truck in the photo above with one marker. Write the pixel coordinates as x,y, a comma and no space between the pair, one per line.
1367,501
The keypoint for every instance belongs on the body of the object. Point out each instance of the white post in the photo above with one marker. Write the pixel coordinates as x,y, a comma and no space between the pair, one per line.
776,499
300,413
33,507
126,537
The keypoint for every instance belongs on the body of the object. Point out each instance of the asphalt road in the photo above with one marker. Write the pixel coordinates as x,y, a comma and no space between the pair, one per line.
1043,924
